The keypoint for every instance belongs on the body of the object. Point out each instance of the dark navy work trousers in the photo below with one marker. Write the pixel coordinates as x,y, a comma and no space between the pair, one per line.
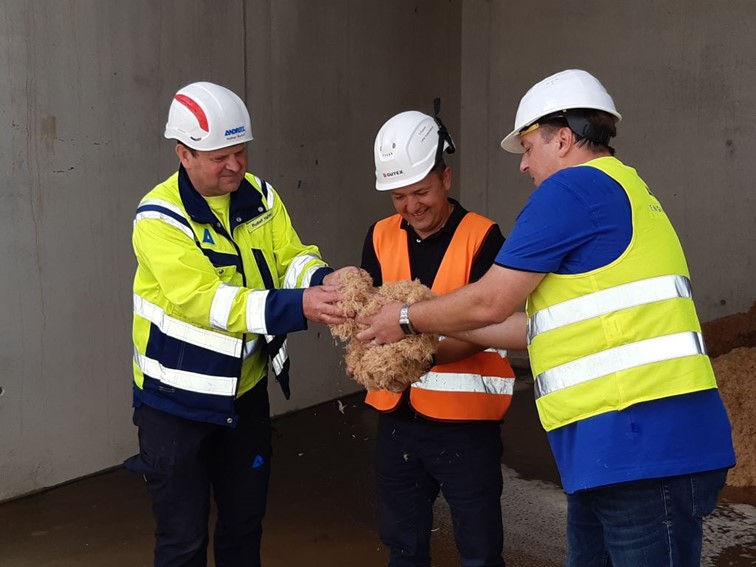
184,461
415,459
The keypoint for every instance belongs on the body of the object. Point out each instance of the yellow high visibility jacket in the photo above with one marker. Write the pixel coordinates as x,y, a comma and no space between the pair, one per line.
477,388
624,333
206,298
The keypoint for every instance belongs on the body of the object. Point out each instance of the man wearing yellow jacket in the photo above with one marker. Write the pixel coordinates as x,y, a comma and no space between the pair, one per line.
623,384
222,277
443,433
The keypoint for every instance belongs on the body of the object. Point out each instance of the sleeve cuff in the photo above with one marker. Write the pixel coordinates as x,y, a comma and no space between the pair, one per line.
317,277
284,312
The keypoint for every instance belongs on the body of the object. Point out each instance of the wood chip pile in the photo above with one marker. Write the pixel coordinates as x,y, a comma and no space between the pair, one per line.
731,342
735,372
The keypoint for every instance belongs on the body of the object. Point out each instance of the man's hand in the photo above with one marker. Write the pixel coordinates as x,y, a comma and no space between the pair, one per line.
334,278
318,303
383,327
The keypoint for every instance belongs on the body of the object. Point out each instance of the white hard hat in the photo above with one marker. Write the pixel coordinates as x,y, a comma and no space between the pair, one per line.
407,147
204,116
566,90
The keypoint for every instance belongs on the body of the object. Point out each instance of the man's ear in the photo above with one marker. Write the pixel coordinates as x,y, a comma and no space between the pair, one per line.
565,139
446,178
183,154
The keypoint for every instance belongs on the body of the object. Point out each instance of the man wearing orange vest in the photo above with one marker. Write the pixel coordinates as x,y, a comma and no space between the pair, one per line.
623,384
442,433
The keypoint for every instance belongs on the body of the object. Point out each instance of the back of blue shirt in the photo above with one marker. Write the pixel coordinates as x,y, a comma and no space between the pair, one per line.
576,221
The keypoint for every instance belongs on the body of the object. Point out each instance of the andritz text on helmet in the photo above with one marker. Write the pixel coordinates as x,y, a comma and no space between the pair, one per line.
235,131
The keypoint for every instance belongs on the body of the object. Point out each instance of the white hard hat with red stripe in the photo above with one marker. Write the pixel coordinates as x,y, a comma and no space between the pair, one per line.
567,90
205,116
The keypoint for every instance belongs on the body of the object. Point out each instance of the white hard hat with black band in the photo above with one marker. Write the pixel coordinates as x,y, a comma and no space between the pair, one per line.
556,96
408,146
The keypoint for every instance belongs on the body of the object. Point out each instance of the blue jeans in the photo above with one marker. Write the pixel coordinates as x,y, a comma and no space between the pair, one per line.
647,523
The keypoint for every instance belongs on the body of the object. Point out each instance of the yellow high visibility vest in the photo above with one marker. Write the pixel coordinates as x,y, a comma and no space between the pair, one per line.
624,333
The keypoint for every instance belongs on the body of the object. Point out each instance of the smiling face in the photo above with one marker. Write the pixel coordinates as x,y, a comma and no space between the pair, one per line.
424,205
217,172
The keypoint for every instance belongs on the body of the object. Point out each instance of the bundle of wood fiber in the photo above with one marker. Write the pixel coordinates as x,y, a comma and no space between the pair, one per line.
394,366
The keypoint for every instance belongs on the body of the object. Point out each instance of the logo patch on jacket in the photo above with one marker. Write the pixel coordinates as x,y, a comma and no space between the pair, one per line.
208,237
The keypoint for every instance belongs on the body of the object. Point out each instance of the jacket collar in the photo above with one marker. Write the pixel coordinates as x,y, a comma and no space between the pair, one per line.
246,202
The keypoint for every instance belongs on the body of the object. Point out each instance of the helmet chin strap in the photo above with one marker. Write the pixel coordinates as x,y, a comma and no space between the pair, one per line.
443,133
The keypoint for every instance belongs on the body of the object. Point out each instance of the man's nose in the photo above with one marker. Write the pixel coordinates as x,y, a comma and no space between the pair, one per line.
233,164
524,163
413,205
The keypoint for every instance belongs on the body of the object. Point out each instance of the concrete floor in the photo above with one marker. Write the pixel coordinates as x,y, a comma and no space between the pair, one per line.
321,506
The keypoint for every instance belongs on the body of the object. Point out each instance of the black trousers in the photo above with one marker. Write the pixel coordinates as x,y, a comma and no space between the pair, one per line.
416,459
184,461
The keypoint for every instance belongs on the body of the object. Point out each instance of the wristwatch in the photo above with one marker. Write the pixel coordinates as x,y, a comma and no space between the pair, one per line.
404,321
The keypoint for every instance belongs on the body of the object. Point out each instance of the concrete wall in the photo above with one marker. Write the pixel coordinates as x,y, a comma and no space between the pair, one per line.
85,89
84,94
322,78
682,76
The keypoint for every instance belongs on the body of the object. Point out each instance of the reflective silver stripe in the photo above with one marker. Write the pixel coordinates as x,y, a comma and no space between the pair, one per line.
166,219
220,310
190,381
453,382
608,300
251,347
307,277
618,359
283,353
296,268
256,312
183,331
271,192
501,352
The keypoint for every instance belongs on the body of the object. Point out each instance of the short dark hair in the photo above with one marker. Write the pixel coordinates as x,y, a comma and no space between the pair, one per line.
191,150
596,120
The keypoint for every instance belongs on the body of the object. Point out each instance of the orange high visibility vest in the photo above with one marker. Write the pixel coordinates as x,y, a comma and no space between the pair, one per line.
476,388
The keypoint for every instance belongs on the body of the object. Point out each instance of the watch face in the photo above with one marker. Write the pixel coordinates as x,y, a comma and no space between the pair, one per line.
404,321
404,315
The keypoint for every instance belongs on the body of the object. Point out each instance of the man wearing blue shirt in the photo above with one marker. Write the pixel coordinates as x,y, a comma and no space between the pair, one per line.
623,384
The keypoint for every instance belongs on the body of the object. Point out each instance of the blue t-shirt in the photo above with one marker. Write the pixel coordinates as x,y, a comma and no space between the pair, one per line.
576,221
